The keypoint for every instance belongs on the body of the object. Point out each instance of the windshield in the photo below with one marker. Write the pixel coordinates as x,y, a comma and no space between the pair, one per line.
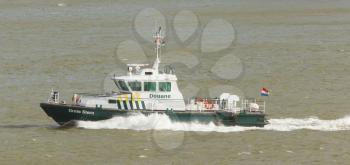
135,85
123,85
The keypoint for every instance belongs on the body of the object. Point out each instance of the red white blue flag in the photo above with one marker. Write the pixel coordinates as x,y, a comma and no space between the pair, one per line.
264,92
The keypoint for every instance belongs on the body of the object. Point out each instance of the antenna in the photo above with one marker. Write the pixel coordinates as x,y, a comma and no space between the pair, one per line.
159,43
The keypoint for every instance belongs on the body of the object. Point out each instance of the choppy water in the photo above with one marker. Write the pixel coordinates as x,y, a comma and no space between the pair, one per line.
298,49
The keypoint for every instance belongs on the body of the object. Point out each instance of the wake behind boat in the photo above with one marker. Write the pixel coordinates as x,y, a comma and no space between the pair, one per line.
148,90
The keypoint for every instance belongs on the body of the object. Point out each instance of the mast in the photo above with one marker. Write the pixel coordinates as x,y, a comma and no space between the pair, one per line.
159,43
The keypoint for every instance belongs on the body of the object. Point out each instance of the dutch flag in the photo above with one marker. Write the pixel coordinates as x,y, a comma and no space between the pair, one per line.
264,92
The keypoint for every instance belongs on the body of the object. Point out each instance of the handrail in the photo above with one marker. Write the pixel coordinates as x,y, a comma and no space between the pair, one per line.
217,104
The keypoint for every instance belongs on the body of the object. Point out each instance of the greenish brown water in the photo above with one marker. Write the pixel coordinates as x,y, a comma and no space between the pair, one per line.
299,50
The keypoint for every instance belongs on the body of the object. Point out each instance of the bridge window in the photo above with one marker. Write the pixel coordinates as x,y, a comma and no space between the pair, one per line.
123,85
149,86
165,86
135,85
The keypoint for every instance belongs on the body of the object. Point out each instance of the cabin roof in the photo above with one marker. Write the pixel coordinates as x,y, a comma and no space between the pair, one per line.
158,77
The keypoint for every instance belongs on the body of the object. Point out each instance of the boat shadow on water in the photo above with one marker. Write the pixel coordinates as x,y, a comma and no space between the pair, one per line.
21,126
68,125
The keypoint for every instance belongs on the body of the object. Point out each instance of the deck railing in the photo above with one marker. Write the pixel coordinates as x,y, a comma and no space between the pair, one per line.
207,104
246,105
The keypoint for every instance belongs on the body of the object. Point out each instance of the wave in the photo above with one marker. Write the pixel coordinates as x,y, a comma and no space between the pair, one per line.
162,122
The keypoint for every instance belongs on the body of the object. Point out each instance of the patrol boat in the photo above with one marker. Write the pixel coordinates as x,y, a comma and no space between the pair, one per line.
147,90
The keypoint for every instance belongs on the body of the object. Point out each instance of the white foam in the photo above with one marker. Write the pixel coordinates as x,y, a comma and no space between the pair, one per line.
311,123
162,122
61,4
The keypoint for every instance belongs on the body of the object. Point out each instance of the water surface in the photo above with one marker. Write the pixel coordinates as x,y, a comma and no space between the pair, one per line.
298,49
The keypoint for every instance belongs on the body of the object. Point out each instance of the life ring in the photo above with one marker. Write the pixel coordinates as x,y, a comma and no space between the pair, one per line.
208,104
